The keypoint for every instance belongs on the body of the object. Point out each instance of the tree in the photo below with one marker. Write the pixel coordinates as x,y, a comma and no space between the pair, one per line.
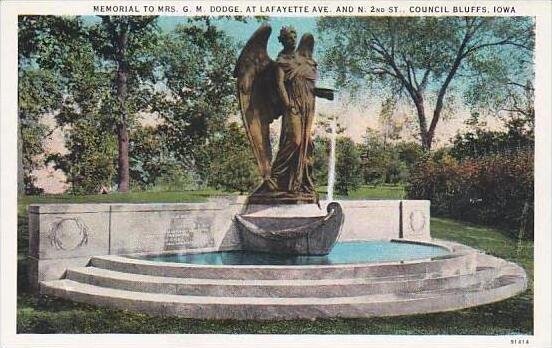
39,87
348,166
409,152
479,142
422,58
387,163
196,66
90,162
375,157
150,161
104,69
38,94
124,43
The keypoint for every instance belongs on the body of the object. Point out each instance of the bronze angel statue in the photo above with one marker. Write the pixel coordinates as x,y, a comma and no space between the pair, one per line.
268,89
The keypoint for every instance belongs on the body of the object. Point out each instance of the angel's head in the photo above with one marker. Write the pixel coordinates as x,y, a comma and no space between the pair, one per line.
288,37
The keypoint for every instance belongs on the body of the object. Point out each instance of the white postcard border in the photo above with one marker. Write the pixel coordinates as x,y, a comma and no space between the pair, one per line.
8,190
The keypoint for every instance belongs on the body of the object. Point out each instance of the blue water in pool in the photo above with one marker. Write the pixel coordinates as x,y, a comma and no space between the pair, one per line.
342,253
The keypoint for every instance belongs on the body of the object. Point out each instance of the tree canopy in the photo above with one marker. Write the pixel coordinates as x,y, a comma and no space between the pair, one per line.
98,76
40,90
198,92
423,58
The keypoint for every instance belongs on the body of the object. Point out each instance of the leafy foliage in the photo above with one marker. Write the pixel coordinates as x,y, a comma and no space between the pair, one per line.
90,162
136,55
347,167
108,72
126,44
150,162
321,157
232,166
85,115
38,93
495,189
387,163
519,135
86,59
39,90
485,176
195,63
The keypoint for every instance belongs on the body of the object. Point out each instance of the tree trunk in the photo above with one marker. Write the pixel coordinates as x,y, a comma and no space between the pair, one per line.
123,166
428,141
443,90
122,131
20,169
425,136
434,120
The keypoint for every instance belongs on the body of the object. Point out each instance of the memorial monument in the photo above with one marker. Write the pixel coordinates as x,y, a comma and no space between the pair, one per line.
284,88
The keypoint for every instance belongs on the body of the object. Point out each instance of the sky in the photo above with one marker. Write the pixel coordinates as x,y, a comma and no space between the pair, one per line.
242,31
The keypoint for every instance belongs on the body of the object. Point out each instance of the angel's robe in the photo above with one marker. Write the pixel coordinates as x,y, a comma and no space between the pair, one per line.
292,168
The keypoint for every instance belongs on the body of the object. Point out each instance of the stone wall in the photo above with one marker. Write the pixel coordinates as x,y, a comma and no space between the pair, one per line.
67,235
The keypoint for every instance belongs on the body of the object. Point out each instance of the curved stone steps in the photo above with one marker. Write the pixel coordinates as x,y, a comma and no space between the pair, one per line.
453,264
286,292
331,287
261,308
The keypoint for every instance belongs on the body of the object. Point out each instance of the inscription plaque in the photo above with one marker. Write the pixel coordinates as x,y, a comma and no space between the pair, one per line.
186,232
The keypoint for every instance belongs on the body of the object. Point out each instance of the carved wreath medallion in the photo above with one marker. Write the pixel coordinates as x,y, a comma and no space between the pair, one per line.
68,233
417,221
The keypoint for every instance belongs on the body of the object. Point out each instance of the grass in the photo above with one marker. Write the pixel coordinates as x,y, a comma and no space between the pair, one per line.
43,314
131,197
372,192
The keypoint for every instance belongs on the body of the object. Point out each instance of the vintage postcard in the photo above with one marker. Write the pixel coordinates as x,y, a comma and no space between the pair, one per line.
276,173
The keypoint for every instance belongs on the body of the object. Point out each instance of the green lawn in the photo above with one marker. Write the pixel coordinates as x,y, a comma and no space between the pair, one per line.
372,192
132,197
43,314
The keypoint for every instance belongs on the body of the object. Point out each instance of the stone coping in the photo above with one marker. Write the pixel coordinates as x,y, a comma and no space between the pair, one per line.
457,250
122,207
211,203
452,247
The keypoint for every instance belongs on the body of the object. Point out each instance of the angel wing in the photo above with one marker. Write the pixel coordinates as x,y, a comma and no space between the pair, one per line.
257,95
305,49
306,45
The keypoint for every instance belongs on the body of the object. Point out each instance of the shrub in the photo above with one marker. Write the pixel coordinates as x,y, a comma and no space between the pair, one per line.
231,163
321,156
348,166
387,163
494,189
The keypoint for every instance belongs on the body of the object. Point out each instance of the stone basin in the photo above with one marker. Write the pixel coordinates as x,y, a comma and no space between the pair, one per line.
294,235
